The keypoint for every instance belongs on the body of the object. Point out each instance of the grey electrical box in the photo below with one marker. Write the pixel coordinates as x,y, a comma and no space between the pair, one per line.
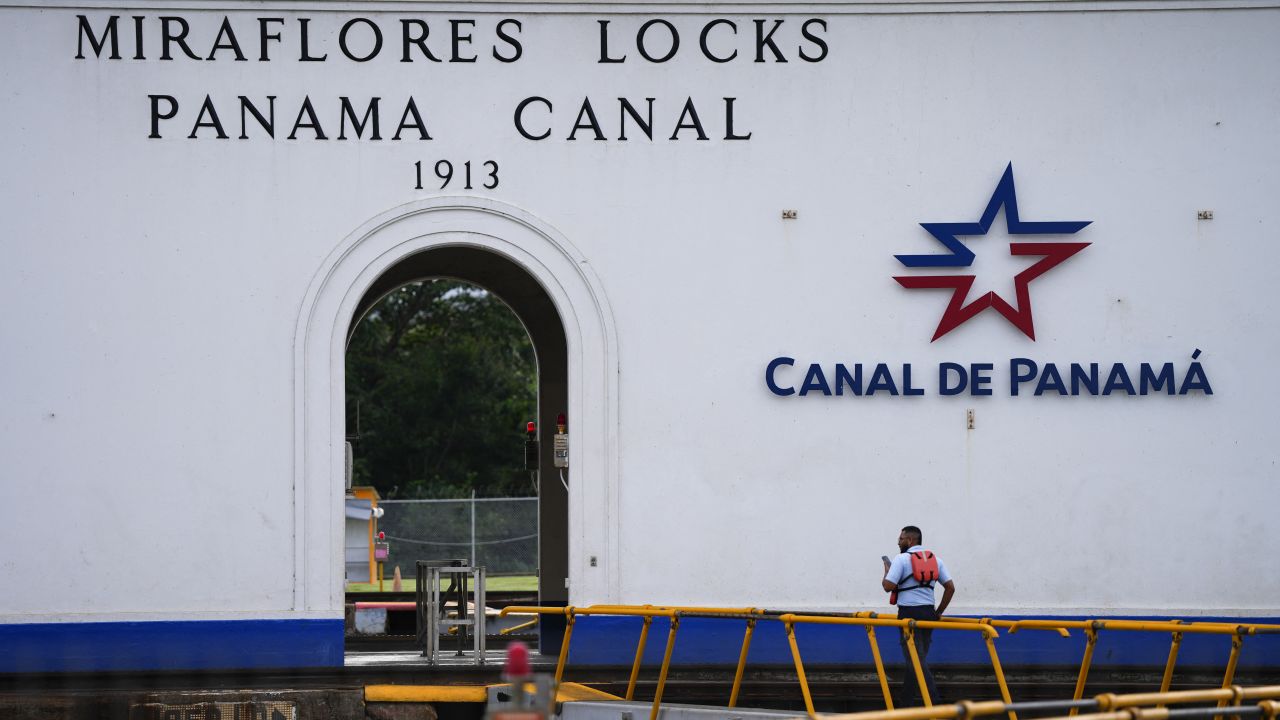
560,450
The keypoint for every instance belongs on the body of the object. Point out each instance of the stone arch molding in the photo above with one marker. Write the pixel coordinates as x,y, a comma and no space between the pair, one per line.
320,382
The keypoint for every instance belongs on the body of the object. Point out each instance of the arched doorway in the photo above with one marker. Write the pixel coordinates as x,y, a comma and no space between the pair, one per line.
537,313
381,254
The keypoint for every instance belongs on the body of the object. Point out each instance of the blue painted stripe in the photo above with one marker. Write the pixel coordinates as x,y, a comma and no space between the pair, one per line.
705,641
176,645
261,644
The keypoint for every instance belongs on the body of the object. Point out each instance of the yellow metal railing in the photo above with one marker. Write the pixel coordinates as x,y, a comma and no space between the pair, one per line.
753,616
870,620
908,628
518,628
1176,628
1106,707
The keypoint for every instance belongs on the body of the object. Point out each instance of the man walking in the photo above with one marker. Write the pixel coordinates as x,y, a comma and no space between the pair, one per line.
910,578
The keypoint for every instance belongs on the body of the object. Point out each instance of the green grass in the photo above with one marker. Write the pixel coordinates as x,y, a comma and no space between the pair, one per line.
501,583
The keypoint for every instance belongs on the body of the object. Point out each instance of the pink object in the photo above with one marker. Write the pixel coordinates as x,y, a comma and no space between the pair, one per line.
517,661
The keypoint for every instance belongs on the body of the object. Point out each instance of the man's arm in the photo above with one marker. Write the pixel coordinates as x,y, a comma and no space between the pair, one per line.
948,589
889,586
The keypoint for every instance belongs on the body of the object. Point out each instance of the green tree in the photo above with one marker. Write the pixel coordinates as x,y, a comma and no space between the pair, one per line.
441,378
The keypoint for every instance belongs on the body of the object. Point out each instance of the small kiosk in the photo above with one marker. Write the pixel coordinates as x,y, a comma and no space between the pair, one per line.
364,554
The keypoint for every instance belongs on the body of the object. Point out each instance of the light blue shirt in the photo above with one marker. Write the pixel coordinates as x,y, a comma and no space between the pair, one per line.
900,575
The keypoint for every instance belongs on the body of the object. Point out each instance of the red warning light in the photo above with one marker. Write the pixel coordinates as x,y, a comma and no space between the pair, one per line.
517,665
560,419
531,427
382,535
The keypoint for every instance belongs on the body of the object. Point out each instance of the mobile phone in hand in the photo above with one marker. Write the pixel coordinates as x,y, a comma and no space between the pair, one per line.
885,558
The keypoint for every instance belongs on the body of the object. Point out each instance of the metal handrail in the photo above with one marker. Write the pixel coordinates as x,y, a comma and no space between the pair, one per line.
753,616
1109,706
871,620
1176,628
517,628
908,628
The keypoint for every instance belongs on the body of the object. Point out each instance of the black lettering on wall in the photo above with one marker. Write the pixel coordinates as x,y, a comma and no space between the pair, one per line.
370,116
207,111
728,122
645,124
822,44
169,37
312,122
459,40
304,27
706,49
226,40
157,115
591,123
693,123
346,49
409,38
764,40
265,35
268,123
137,37
519,117
510,40
411,109
604,44
642,44
108,34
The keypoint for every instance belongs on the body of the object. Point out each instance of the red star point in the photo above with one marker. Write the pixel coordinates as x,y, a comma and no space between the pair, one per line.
958,312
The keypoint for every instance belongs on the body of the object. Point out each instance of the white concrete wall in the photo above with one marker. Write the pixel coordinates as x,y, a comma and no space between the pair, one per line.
152,292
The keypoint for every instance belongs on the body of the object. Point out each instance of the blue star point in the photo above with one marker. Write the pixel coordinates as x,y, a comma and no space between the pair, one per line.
961,256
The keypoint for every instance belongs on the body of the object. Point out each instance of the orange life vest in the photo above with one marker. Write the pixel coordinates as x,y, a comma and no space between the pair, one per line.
924,570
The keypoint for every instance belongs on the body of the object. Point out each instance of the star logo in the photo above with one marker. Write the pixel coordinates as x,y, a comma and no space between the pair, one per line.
960,256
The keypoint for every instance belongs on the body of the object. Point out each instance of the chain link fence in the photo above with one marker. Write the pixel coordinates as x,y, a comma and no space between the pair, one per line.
500,534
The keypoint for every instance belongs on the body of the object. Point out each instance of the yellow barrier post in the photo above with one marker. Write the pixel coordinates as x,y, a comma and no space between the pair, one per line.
995,663
742,662
666,665
909,631
1167,680
795,655
884,679
1091,639
635,666
564,646
1237,642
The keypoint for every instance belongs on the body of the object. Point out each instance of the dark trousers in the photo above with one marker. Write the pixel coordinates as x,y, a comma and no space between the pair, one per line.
910,693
